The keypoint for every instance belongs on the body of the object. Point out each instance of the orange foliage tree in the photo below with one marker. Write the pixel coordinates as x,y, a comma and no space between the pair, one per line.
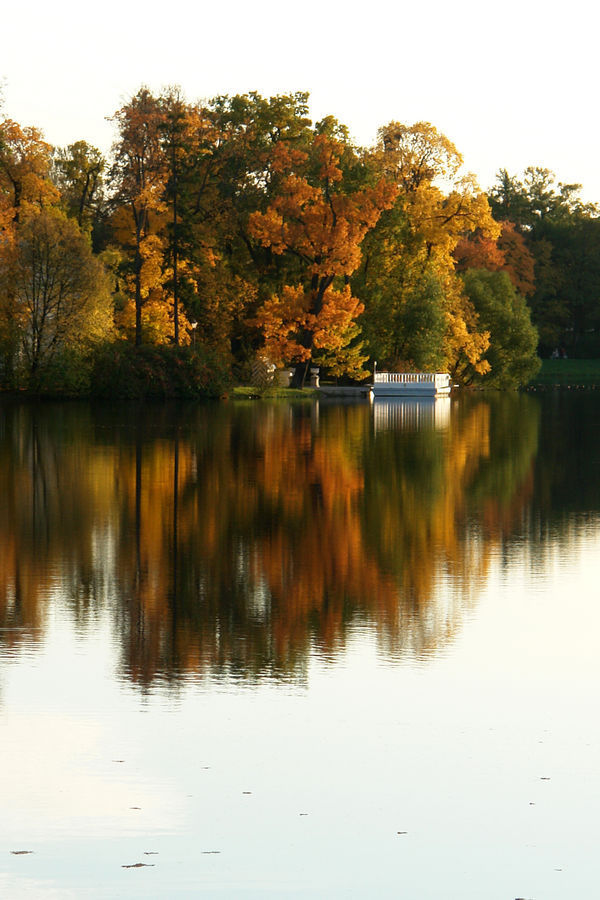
321,221
508,253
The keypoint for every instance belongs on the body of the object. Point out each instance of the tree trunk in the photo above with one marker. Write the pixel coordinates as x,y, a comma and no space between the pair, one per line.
138,296
175,252
299,376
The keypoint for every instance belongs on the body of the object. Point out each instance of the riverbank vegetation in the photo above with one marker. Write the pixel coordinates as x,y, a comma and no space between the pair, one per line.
235,236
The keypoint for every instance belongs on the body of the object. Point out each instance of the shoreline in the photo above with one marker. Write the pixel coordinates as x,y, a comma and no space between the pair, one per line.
555,374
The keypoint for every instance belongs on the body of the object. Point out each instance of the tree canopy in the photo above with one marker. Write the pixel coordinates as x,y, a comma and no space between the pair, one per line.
561,233
239,226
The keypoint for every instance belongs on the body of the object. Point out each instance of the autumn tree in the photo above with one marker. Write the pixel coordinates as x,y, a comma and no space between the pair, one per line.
175,220
233,179
198,221
519,263
248,129
320,221
138,176
409,254
508,253
473,251
25,190
60,294
177,130
25,161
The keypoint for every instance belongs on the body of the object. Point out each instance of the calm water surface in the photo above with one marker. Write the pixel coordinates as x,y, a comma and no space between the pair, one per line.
311,651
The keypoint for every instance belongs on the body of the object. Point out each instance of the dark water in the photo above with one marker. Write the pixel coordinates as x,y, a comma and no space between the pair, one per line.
300,650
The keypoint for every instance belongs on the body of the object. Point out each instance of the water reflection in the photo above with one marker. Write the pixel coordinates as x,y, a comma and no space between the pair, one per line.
404,413
231,540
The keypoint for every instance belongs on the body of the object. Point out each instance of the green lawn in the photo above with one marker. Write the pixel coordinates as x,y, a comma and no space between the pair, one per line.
568,372
243,392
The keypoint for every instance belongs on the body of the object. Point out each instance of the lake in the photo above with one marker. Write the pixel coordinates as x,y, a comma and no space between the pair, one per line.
300,650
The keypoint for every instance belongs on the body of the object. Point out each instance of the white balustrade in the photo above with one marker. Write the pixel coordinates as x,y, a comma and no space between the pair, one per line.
410,377
417,382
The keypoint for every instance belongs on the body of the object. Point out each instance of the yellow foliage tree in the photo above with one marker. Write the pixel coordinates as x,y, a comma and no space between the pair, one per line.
25,185
412,246
139,176
59,297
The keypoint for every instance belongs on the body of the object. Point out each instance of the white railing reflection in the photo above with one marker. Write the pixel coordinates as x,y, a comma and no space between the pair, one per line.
411,415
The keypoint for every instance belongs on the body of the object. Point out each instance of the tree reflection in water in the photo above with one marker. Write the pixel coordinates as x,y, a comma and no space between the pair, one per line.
230,540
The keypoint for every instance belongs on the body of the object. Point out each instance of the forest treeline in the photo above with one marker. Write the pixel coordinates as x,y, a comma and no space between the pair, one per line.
222,236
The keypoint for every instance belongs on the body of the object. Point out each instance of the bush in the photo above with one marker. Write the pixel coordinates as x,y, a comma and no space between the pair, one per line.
120,370
67,373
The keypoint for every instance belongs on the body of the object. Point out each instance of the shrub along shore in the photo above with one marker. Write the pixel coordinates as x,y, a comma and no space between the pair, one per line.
169,373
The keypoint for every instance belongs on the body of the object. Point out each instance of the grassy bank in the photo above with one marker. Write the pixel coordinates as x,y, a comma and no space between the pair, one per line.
568,373
243,392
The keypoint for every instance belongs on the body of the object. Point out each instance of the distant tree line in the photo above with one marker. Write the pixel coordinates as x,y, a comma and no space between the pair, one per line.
237,230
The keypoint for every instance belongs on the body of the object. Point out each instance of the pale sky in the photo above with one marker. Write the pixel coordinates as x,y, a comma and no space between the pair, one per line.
511,84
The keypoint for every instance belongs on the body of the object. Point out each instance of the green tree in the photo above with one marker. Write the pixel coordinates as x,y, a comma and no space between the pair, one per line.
78,172
513,339
562,234
535,199
567,302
